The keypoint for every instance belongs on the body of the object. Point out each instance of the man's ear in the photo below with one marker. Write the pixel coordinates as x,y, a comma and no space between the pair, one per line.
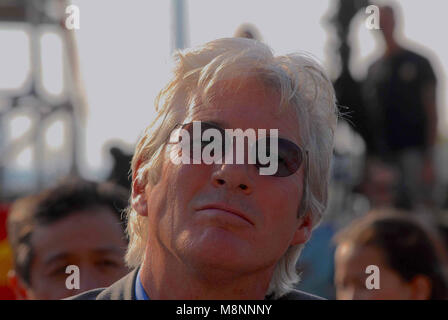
303,232
17,286
138,199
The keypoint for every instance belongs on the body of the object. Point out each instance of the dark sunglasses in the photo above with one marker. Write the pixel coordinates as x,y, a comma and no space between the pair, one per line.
290,155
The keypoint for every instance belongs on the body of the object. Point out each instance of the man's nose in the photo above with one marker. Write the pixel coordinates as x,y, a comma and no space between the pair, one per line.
235,177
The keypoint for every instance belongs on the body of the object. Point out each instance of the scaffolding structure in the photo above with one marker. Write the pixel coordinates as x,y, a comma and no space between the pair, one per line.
33,16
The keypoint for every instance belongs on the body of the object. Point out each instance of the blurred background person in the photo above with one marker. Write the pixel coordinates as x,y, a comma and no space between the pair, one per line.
381,184
411,261
74,223
400,96
121,167
249,31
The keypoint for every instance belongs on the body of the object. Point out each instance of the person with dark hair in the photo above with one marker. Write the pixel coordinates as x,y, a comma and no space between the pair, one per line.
74,223
409,258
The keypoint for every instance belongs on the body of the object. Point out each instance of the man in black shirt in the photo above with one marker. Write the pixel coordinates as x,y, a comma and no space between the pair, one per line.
400,92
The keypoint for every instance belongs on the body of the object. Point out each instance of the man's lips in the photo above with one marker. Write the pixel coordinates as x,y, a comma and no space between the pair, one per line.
224,207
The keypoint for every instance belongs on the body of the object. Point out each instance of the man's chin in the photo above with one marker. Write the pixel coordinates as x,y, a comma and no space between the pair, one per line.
219,247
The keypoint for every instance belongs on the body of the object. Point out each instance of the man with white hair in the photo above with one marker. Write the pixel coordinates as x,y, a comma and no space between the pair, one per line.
224,229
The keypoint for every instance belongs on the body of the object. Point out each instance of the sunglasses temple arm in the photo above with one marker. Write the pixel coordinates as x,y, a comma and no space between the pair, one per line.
304,202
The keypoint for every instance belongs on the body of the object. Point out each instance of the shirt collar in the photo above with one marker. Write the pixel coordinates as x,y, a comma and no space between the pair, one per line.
140,293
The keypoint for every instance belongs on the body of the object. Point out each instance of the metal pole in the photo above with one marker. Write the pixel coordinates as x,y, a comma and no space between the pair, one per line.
179,24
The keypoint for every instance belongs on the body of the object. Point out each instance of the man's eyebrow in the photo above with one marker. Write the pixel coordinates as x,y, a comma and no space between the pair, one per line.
101,250
109,249
223,125
57,256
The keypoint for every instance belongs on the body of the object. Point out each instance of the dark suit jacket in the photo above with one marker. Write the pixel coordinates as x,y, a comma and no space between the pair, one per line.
124,289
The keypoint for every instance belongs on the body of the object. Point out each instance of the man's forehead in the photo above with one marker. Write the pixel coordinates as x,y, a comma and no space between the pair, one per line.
75,230
230,101
238,93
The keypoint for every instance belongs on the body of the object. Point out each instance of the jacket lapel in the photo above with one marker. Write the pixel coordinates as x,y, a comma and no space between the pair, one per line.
123,289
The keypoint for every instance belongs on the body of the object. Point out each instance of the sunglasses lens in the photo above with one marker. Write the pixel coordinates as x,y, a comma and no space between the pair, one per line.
290,157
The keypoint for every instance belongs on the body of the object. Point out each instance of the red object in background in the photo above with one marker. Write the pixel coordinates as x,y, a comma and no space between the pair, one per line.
3,216
5,257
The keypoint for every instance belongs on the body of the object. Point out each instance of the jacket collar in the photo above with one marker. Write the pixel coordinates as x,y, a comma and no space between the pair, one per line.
123,289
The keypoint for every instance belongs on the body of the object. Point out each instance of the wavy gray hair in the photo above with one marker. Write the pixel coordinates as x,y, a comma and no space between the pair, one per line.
301,83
